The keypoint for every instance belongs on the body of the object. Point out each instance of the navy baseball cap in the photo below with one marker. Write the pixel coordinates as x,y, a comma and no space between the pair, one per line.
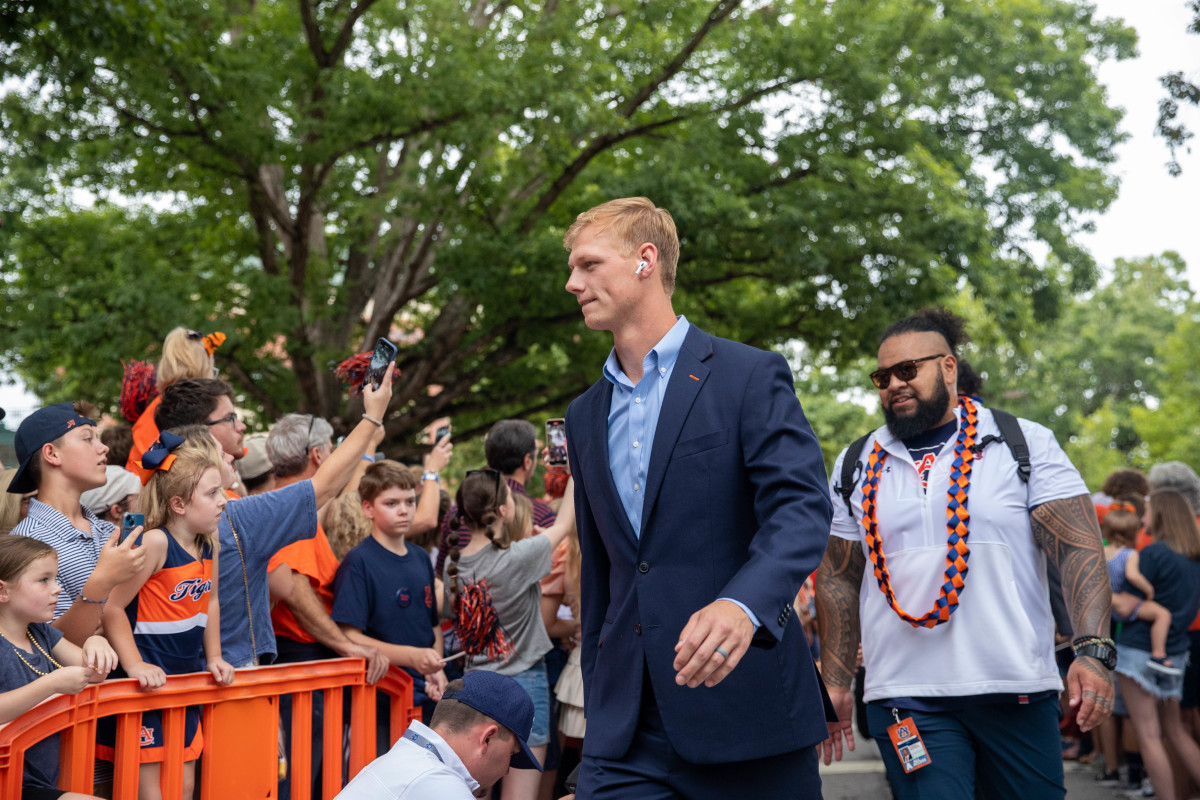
40,428
501,698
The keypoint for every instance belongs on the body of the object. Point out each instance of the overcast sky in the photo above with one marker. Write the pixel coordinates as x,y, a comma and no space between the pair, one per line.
1153,213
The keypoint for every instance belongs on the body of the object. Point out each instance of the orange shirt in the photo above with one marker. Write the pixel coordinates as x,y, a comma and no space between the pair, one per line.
313,558
145,432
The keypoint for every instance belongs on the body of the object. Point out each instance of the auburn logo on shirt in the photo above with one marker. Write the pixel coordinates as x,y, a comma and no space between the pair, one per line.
429,597
923,467
192,587
146,737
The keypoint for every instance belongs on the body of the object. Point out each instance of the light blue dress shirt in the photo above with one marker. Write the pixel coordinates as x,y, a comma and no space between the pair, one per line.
633,421
633,418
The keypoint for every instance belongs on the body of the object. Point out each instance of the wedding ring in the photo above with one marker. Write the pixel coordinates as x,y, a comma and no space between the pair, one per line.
724,653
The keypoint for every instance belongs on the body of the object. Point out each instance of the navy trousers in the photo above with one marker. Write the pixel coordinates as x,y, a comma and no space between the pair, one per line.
653,770
999,750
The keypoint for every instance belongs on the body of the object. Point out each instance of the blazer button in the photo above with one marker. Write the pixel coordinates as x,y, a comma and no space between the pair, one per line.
638,629
644,567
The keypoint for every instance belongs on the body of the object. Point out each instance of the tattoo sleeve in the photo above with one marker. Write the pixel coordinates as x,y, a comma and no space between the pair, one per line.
839,580
1069,534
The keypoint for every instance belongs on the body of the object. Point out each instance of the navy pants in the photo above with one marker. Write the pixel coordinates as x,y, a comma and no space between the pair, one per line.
653,770
990,751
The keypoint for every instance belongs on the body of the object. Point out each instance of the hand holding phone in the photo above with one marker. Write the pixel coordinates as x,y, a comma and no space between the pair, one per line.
556,442
129,523
384,354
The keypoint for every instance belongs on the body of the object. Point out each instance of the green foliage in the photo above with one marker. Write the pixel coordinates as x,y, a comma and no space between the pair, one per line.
308,176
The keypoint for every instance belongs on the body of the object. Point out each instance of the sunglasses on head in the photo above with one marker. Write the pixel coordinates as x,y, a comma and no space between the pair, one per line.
904,370
487,471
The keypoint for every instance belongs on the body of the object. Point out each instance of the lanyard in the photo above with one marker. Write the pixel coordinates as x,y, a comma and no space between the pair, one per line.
421,741
957,523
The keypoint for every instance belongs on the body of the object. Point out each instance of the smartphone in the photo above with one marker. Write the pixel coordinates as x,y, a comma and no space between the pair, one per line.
385,353
556,442
129,521
442,433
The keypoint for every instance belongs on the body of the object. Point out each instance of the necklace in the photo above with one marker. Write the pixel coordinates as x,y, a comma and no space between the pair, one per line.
36,646
957,523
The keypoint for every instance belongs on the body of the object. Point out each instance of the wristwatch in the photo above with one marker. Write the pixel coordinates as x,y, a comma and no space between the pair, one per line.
430,476
1106,654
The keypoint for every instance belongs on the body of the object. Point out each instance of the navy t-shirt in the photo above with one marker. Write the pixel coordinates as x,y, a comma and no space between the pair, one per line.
925,446
41,760
387,597
1176,582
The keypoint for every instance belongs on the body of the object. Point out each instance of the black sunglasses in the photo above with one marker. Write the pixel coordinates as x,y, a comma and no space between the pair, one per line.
904,370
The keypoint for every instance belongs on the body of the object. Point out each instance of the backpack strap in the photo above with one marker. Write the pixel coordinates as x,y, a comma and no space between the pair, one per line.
851,468
1010,431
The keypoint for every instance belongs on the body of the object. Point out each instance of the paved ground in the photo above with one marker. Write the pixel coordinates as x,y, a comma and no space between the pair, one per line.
860,776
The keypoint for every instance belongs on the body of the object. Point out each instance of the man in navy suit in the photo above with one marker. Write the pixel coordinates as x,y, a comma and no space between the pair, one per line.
702,505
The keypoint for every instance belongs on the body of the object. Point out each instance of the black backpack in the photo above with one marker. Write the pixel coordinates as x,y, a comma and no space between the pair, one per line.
1010,434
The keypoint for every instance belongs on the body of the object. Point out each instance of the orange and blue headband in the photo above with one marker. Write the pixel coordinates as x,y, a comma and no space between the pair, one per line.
160,456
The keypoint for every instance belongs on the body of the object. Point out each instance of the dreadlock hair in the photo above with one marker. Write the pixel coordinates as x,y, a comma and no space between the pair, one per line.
932,320
198,454
479,498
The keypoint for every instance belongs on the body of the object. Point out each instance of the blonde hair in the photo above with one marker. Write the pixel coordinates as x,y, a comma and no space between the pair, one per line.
345,524
634,221
10,503
183,356
198,454
519,525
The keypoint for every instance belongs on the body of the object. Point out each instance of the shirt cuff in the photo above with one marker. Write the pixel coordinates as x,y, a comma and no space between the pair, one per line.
753,619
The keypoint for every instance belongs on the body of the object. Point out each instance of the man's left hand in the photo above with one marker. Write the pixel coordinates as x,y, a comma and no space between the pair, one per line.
719,624
1090,685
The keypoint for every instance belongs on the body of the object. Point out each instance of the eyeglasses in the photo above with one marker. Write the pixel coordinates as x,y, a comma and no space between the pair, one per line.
487,471
904,370
231,418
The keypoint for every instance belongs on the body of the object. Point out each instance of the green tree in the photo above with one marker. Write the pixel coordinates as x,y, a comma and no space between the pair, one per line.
1171,428
311,175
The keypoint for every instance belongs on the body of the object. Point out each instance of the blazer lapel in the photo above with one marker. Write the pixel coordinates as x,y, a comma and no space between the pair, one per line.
596,466
687,378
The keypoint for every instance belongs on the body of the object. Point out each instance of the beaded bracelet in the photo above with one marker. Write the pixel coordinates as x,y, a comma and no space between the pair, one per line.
1084,641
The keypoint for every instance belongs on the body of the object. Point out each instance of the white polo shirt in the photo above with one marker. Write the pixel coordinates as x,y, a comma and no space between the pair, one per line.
414,771
1001,638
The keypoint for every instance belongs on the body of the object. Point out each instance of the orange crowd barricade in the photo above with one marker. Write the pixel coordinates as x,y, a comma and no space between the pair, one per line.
240,725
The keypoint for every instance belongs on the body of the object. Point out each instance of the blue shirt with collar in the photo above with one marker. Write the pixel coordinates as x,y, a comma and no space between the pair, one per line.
633,421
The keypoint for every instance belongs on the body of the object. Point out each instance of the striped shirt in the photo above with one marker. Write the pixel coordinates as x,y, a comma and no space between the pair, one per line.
77,551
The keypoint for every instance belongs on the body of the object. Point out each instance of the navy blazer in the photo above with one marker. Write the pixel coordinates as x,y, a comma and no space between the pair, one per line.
736,505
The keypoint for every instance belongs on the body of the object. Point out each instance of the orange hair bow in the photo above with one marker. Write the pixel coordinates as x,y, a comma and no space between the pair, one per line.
213,341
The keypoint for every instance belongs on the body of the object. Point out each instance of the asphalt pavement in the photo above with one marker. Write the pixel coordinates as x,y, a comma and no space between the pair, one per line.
860,776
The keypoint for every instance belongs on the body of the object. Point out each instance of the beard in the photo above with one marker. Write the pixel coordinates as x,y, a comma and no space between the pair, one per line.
928,414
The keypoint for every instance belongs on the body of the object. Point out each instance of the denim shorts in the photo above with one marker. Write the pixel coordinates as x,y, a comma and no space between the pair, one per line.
1132,664
535,684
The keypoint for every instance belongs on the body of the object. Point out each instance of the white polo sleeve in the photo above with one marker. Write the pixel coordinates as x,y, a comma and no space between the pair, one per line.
1052,475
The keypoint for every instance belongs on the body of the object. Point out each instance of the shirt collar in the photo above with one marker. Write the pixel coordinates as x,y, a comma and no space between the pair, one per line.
661,357
51,517
449,757
517,486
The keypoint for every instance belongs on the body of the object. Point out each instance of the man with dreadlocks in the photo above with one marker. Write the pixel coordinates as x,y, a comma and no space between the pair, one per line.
962,686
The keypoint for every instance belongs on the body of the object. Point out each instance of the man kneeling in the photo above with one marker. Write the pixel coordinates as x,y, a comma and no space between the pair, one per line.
478,730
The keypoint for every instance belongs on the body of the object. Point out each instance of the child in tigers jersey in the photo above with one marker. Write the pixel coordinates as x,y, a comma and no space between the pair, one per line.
166,620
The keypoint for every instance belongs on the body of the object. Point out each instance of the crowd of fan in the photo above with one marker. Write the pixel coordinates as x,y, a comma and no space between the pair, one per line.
277,547
347,554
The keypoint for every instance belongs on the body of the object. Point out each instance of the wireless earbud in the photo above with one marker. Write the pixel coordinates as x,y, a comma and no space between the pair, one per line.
641,266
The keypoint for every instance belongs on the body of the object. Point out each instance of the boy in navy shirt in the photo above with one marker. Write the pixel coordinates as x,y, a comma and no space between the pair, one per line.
384,593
